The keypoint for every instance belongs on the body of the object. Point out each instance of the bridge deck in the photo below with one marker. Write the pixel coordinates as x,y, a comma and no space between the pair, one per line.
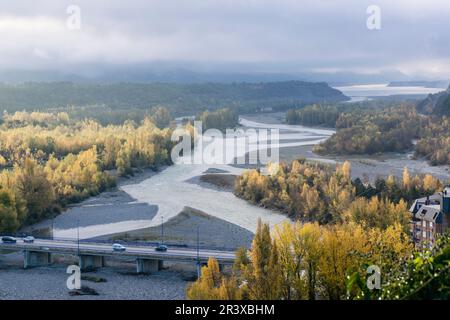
102,249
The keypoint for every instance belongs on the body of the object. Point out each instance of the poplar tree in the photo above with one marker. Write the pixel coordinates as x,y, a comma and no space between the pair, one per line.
263,274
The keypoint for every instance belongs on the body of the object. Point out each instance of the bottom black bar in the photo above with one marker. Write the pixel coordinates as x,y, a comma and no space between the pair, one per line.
230,309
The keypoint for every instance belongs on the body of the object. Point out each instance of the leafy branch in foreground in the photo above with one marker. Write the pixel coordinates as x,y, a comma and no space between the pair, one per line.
423,277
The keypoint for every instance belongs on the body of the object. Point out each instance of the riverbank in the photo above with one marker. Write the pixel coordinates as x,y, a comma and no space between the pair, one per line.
117,281
115,209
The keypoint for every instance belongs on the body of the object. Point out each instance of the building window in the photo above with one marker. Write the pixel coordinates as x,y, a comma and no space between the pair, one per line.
424,223
424,234
431,225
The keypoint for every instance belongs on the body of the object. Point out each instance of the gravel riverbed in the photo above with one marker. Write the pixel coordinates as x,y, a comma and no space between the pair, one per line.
121,281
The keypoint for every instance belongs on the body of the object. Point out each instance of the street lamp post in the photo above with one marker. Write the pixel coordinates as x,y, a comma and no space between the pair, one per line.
162,229
78,236
199,270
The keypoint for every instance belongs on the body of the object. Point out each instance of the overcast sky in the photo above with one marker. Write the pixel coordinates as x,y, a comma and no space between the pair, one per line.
323,36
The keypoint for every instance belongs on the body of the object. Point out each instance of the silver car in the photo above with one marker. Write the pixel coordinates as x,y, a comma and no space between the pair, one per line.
29,239
118,247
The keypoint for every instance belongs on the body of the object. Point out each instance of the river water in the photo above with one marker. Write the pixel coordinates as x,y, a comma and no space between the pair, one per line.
172,189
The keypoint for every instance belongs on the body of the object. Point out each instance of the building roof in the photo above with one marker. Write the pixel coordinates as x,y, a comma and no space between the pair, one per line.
434,199
430,213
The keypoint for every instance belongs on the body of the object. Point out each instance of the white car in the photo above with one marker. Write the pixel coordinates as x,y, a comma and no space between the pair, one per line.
29,239
118,247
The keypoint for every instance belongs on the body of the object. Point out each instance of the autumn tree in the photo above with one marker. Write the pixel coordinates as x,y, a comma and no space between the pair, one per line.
406,178
343,246
32,184
299,249
161,117
9,219
212,285
378,213
262,274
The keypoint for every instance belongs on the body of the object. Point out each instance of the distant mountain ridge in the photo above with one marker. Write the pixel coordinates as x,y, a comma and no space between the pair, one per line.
436,104
189,73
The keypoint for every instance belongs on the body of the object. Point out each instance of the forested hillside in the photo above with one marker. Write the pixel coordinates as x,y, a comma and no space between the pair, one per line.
375,127
436,104
386,130
221,119
181,99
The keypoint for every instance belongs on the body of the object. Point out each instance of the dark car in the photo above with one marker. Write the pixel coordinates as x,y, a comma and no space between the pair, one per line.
8,239
161,247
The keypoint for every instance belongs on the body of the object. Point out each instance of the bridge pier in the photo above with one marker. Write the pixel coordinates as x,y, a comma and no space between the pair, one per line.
91,262
200,265
148,265
36,259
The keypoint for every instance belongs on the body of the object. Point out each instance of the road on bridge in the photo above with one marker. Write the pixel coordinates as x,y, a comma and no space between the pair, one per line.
102,249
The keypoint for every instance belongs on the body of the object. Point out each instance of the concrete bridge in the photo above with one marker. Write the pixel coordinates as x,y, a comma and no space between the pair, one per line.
92,255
